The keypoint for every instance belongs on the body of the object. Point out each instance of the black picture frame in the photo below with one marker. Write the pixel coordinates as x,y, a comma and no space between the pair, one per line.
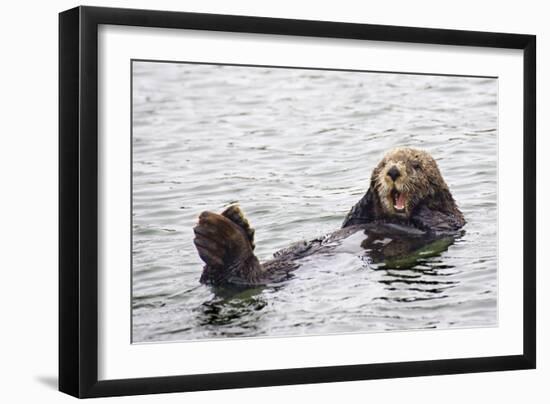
78,201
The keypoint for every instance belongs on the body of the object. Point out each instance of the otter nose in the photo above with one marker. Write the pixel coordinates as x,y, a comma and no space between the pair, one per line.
393,173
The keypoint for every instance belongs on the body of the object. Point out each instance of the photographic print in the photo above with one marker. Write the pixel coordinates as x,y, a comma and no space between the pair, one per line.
276,201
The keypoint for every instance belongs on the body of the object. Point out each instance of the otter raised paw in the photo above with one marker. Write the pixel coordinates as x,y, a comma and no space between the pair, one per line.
225,242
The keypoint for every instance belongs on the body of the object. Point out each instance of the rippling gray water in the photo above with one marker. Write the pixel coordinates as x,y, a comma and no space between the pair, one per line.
295,148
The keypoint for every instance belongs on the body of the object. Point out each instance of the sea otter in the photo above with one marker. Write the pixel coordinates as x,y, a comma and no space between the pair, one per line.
407,202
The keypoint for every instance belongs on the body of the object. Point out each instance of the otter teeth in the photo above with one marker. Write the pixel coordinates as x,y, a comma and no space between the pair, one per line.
399,200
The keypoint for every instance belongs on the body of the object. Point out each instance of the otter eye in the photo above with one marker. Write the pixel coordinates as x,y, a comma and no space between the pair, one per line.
417,166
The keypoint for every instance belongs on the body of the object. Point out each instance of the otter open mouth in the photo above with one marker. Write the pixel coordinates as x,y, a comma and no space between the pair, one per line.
398,200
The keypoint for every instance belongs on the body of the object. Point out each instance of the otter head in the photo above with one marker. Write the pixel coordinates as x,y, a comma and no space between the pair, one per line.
407,186
406,178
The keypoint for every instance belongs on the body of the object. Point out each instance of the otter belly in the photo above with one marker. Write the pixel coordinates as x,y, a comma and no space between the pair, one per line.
374,243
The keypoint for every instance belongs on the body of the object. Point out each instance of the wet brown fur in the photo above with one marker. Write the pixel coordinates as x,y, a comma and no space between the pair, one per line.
225,242
419,180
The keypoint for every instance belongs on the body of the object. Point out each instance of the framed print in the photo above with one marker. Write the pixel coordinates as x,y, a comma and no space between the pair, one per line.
250,201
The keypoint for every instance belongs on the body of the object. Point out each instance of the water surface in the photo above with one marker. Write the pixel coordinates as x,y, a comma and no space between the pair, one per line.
295,148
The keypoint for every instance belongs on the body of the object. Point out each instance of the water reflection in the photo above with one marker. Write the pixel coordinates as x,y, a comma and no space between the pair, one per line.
390,251
230,305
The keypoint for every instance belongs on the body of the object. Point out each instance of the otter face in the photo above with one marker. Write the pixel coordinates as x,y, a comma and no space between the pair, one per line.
404,178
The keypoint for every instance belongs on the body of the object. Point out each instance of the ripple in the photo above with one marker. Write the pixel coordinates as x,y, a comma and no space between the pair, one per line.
296,149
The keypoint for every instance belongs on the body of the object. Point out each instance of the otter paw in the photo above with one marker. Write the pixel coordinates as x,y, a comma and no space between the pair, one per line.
236,215
220,242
